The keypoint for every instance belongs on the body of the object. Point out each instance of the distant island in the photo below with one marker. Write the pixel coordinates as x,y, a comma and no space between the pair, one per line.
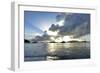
26,41
52,42
63,42
72,41
75,41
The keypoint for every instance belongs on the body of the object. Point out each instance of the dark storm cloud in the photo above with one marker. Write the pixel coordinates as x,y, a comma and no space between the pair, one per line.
82,30
54,27
44,37
75,24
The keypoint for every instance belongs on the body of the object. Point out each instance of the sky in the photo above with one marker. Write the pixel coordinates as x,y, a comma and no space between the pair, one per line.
37,22
76,24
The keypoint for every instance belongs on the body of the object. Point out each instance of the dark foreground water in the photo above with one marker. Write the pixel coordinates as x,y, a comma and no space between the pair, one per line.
56,51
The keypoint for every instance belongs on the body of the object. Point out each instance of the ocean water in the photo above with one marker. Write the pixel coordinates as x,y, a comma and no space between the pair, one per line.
56,51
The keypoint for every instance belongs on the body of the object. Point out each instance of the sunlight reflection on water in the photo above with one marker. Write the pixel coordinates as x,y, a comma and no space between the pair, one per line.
56,51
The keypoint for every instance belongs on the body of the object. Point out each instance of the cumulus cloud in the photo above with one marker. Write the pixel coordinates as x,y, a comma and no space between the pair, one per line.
44,37
54,27
76,24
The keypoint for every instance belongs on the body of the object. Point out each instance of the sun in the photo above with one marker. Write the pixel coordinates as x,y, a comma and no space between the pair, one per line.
67,38
60,39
